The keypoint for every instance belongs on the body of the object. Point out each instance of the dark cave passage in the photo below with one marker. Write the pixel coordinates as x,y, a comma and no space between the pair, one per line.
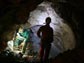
62,31
67,23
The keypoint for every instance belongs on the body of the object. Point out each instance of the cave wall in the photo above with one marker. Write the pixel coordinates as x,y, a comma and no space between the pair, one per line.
72,12
14,12
63,35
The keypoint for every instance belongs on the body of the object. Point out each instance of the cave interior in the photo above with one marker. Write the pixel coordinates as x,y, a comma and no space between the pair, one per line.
32,13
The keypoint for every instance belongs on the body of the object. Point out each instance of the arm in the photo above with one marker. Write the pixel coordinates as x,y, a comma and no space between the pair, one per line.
19,36
52,34
38,32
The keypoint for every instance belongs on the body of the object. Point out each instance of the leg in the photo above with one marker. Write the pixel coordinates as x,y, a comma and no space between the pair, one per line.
16,43
47,50
24,47
41,52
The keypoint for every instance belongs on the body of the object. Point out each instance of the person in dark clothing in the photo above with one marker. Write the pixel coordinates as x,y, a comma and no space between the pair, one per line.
46,34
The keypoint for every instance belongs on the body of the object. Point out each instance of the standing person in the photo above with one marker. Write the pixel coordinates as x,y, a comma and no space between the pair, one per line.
46,34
